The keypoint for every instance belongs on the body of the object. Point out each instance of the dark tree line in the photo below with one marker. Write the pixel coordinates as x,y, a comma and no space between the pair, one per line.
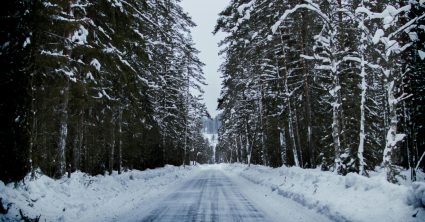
98,86
333,84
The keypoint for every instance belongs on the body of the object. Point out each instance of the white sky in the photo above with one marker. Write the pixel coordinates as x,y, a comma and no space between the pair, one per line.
205,14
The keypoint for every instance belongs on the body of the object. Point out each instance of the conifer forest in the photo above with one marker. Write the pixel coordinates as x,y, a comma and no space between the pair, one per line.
98,86
335,84
104,85
105,110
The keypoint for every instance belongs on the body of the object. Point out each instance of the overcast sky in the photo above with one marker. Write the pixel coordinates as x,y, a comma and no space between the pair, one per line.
205,14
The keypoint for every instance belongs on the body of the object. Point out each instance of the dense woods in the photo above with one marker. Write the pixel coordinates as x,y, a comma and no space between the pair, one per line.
98,86
334,84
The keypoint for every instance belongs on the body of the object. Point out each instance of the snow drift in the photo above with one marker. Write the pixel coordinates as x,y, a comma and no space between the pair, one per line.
341,198
87,198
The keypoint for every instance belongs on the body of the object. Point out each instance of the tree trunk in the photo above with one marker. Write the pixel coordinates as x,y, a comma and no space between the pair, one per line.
336,102
310,149
120,140
63,130
248,148
289,107
186,130
80,133
335,125
112,151
33,130
292,135
362,134
241,147
263,145
392,137
237,150
164,150
297,136
364,86
282,143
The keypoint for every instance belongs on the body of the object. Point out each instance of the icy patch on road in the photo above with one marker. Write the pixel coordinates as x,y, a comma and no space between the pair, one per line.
89,198
341,198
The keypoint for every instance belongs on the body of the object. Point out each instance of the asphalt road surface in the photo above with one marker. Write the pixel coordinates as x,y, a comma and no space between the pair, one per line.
210,196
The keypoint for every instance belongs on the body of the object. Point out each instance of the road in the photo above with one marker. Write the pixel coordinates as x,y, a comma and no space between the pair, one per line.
217,195
210,196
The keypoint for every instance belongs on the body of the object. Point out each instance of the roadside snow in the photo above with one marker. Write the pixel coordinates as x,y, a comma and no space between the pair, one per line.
340,198
287,193
88,198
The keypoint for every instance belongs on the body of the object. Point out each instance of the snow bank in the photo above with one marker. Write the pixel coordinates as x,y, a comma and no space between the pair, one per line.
88,198
341,198
417,196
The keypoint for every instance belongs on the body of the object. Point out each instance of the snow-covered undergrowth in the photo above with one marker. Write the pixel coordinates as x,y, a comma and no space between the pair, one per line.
341,198
88,198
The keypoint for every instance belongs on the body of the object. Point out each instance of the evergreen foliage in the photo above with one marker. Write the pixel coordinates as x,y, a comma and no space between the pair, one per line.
98,86
336,84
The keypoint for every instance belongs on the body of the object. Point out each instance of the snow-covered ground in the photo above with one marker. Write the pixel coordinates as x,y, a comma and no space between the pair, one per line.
341,198
215,195
283,193
87,198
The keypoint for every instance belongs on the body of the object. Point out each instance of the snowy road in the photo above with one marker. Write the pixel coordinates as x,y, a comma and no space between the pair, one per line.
214,196
211,196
